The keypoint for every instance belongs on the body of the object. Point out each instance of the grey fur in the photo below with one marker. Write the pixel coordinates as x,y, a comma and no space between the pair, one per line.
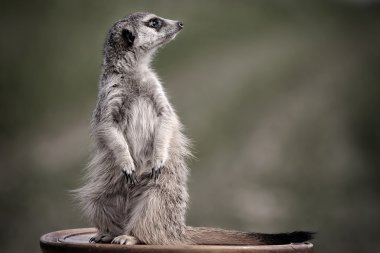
135,130
136,184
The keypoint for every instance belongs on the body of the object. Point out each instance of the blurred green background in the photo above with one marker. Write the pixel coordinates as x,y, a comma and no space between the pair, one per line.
281,98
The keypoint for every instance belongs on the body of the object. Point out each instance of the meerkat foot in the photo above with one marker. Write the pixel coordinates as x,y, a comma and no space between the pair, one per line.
125,240
130,177
155,173
101,238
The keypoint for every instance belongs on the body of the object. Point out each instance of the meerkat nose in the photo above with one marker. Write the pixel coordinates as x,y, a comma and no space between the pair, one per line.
180,24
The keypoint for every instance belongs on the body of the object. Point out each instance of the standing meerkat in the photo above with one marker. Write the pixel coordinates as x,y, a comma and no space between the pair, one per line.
136,185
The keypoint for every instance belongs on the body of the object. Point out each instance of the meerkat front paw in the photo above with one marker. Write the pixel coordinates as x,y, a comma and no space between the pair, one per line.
125,240
101,238
155,173
129,172
130,177
157,167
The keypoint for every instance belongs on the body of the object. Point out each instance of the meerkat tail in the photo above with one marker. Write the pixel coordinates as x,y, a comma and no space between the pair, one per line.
216,236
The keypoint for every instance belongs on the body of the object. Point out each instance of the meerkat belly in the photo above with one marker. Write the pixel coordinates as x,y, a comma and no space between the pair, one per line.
140,130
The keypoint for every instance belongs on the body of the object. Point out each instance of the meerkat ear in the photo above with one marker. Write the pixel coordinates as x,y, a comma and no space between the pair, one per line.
128,37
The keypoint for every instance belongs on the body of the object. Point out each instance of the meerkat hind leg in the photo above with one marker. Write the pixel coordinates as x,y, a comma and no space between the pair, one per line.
125,239
101,238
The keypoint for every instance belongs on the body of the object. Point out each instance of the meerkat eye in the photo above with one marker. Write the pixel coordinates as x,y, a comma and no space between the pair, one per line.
155,23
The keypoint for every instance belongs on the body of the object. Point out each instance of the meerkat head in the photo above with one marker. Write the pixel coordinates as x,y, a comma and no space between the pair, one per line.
140,33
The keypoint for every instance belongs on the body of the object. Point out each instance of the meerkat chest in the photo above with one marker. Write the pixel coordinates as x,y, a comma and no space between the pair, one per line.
142,119
148,79
142,116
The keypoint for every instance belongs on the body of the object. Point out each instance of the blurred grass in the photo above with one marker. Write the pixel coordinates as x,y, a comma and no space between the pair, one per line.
280,97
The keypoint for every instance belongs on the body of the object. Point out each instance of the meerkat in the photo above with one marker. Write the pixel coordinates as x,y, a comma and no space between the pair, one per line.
136,184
